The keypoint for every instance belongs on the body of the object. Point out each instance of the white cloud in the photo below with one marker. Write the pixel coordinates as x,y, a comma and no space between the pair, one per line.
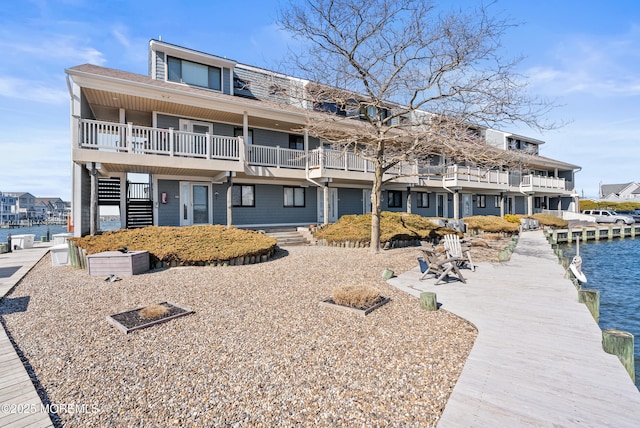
599,66
31,90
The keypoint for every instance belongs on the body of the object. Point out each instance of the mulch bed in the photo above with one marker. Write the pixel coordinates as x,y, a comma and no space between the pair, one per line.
131,320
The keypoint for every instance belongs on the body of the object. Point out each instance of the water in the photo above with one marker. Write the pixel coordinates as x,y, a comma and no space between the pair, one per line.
612,268
37,230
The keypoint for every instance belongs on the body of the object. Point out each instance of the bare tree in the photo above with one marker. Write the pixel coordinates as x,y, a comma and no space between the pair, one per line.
423,83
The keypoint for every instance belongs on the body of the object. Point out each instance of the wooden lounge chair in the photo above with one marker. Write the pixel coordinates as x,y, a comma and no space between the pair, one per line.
440,267
454,248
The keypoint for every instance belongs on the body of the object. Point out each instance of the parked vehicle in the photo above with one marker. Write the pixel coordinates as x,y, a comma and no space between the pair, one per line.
609,216
635,214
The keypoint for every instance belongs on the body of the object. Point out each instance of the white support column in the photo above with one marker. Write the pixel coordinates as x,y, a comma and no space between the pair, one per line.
456,205
530,204
326,203
229,199
409,200
502,203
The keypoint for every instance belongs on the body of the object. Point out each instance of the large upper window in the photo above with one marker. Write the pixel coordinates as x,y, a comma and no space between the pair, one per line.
181,70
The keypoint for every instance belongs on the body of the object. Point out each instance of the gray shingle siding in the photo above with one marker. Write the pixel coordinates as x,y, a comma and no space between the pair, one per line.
349,201
226,84
160,66
169,213
426,212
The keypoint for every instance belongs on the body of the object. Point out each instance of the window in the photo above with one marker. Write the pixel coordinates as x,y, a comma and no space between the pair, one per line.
243,195
481,201
296,142
237,132
395,199
180,70
423,200
497,202
536,202
294,196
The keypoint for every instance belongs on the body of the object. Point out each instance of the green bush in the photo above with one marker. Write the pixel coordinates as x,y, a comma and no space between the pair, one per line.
550,220
512,218
190,245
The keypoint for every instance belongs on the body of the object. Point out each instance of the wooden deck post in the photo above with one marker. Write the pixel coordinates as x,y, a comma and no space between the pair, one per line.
428,301
591,298
620,344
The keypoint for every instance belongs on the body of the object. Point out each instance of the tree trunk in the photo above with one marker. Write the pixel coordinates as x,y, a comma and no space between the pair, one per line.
376,209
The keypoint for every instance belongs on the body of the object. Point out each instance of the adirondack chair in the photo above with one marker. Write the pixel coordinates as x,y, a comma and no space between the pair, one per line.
454,248
440,267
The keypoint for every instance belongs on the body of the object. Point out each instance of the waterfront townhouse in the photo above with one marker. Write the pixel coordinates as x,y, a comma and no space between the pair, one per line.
25,206
205,139
7,208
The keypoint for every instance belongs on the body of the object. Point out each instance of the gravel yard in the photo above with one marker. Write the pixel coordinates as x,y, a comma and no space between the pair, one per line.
259,350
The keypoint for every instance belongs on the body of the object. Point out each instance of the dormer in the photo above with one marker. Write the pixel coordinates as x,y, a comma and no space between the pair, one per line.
171,63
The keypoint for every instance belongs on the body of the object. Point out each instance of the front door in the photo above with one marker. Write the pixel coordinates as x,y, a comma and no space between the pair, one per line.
195,204
366,201
333,205
441,205
467,205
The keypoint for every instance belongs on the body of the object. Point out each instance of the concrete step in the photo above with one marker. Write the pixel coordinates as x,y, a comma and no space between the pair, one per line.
288,237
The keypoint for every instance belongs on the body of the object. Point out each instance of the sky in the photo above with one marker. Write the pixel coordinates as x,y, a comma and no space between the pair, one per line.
582,54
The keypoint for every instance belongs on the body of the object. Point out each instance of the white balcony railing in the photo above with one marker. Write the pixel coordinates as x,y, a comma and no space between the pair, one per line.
541,181
476,175
127,138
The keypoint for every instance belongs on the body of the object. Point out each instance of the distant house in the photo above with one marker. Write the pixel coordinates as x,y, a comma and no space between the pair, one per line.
51,208
25,207
7,208
625,192
204,139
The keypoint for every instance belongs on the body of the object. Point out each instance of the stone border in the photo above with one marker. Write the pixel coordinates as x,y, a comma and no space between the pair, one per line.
328,302
127,330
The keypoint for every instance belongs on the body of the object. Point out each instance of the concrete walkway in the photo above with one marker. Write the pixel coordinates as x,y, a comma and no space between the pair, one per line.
538,359
20,405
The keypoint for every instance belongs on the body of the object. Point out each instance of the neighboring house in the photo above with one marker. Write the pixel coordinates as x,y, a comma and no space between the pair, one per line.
25,207
7,208
625,192
51,209
165,148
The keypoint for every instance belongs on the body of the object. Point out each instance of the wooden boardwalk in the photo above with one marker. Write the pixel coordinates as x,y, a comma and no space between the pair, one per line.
20,405
538,358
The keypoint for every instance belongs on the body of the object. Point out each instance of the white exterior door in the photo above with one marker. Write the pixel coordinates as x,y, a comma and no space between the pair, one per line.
333,205
442,207
467,205
366,201
195,204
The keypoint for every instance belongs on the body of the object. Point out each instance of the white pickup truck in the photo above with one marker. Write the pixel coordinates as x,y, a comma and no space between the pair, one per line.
609,216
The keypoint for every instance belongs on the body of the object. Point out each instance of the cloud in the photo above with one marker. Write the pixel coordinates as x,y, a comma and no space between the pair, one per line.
61,48
31,90
601,66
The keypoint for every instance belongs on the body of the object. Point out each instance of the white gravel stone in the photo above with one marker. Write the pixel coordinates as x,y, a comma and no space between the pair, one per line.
259,350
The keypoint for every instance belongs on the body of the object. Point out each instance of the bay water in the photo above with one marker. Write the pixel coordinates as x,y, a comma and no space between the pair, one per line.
613,268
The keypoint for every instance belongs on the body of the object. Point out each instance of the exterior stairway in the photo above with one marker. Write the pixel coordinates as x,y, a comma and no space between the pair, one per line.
287,236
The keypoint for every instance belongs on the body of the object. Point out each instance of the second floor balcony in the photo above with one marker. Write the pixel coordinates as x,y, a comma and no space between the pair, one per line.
170,147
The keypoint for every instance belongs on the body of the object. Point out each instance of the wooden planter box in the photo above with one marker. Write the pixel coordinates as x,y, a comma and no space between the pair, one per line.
117,263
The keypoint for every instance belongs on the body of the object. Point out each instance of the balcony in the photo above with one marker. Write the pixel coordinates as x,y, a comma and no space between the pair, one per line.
169,145
533,182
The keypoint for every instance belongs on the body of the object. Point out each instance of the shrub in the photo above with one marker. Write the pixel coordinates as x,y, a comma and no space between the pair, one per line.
491,223
153,311
356,296
190,245
550,220
512,218
588,204
393,226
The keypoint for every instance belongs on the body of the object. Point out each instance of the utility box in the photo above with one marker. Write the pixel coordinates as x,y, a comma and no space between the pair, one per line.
118,263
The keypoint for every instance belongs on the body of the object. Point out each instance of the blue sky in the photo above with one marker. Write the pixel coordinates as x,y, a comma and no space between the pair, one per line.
583,54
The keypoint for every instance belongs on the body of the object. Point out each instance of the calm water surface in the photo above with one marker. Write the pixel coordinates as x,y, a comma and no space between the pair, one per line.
36,230
613,268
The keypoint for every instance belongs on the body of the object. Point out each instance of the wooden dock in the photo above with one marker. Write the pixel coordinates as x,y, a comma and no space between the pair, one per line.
538,360
594,233
21,405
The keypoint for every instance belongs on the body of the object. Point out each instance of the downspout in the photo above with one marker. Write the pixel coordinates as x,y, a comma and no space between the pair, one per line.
306,176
